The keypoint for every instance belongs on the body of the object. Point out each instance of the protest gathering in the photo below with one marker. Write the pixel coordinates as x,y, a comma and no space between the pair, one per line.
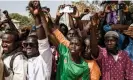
87,45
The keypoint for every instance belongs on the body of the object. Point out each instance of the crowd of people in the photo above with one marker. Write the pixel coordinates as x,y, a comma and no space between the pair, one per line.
98,46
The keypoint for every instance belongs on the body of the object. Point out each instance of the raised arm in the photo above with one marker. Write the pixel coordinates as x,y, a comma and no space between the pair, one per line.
93,38
119,27
76,16
11,24
43,43
58,14
35,10
57,34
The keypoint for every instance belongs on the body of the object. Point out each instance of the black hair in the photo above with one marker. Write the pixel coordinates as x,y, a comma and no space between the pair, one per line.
35,38
66,28
24,35
75,31
45,7
86,10
84,46
15,34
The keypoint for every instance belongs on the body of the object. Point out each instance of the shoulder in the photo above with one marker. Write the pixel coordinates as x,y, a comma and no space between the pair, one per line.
62,49
62,46
103,51
19,56
124,55
44,43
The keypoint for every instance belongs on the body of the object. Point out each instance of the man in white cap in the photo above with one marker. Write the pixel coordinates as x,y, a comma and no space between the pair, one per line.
115,64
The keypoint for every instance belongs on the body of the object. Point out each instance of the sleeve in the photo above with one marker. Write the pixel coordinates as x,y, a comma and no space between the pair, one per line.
60,37
62,49
129,69
102,54
121,39
20,68
95,73
1,69
42,72
107,28
45,52
129,49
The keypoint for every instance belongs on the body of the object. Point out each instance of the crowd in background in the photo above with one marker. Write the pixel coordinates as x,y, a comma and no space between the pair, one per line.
98,45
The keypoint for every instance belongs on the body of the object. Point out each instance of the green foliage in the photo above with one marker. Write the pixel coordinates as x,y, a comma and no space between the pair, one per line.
24,20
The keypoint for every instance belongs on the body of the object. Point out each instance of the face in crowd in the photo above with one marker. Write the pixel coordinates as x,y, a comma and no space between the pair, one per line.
63,28
31,46
111,44
75,46
9,42
71,33
87,50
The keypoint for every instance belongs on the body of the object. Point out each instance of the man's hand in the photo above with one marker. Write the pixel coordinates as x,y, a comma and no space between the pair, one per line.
129,32
34,7
95,20
130,28
4,21
75,13
58,14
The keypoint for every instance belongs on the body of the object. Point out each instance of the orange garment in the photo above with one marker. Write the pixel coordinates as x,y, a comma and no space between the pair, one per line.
94,70
61,38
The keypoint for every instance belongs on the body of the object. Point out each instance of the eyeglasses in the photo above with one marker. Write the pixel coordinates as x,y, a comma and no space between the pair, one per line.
29,44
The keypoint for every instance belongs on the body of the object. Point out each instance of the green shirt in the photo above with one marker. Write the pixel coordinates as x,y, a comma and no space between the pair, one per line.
69,70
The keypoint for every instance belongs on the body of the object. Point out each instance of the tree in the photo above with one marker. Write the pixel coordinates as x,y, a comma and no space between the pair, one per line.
24,20
81,5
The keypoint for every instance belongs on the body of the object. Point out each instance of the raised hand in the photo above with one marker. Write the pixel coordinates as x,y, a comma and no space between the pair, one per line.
95,20
34,7
58,14
5,12
75,13
9,21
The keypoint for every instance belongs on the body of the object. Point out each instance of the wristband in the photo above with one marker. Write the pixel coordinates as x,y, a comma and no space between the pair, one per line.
37,27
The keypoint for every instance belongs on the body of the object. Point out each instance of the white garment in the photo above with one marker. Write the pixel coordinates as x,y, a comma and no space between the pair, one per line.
115,57
131,24
19,67
39,68
1,46
87,16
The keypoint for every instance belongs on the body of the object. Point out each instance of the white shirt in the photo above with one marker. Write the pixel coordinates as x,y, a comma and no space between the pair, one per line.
115,57
87,16
39,68
19,67
1,46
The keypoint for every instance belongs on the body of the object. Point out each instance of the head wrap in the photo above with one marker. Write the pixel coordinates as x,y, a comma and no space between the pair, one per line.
112,34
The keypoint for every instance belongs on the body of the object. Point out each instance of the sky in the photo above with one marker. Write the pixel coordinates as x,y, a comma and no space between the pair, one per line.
19,6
